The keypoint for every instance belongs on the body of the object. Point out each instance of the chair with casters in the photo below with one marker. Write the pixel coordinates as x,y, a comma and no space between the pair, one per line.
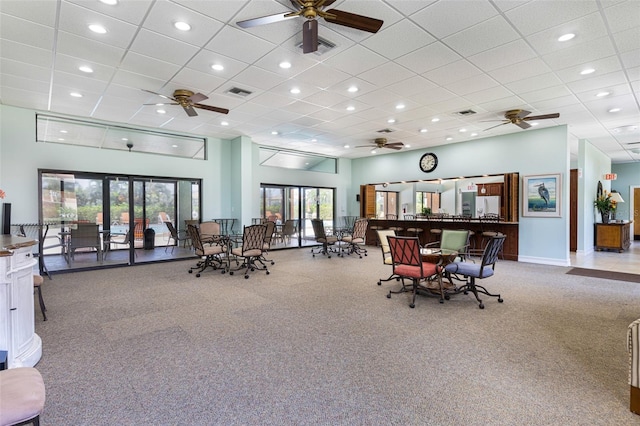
408,264
355,242
84,236
37,285
109,241
328,241
289,229
395,227
176,236
455,240
386,251
252,250
268,239
209,231
22,396
472,271
211,255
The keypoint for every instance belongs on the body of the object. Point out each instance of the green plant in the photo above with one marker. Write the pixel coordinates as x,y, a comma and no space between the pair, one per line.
426,211
603,203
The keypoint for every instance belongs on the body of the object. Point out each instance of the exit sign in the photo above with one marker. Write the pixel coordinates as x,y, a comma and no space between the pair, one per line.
610,176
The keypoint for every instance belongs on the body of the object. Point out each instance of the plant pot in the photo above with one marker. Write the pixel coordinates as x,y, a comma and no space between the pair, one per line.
605,217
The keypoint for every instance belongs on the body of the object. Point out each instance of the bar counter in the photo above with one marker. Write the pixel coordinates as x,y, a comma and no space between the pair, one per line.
510,229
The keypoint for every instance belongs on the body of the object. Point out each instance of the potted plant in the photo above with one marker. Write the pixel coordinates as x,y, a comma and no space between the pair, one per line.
604,205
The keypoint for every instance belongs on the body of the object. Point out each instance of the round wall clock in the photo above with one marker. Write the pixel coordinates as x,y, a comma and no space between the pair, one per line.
428,162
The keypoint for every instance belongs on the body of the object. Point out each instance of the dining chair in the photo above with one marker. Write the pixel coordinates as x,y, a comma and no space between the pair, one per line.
408,264
268,239
327,241
471,271
386,251
176,236
209,231
251,250
211,255
84,236
454,240
109,241
289,229
355,242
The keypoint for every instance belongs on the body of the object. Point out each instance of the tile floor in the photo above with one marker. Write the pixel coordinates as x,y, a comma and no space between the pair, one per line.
627,261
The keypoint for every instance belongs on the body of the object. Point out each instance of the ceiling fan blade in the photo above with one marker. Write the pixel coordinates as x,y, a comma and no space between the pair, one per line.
542,117
212,108
163,103
249,23
498,125
391,146
310,36
522,124
198,97
158,94
352,20
190,111
522,114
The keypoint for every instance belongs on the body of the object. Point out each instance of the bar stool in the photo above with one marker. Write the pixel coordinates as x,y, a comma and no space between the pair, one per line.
22,396
398,229
487,224
413,229
435,229
37,285
466,219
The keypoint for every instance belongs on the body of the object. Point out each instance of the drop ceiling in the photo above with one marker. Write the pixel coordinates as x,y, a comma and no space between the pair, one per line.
433,58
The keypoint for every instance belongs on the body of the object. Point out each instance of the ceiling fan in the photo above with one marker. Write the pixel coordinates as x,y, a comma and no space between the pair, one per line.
188,100
519,117
312,9
382,143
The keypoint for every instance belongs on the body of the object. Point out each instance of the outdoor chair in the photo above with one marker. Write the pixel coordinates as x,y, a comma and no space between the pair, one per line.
84,236
176,236
386,251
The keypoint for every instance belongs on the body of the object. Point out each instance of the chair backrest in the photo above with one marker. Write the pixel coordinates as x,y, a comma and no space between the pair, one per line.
124,218
253,237
99,218
272,218
138,228
454,239
384,242
172,230
194,235
409,217
85,235
289,227
360,228
210,228
405,251
163,217
491,251
318,228
270,229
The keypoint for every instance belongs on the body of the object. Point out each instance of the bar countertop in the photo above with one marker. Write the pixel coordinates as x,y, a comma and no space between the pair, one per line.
12,242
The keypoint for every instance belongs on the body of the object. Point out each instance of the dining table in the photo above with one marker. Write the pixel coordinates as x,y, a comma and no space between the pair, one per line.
441,257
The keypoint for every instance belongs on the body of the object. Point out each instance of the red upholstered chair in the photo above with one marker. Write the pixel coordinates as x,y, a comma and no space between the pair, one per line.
408,264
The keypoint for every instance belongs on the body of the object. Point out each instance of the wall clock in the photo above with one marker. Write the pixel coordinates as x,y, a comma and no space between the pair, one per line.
428,162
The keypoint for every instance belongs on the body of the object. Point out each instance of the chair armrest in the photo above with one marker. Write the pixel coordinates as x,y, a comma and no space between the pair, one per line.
433,244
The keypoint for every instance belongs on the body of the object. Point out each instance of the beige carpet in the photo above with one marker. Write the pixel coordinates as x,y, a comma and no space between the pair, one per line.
317,342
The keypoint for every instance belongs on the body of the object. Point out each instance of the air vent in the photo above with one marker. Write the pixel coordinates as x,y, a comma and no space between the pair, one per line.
239,92
324,46
385,131
466,112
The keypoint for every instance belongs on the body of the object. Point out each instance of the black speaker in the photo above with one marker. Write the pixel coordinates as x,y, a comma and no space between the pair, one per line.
6,218
358,198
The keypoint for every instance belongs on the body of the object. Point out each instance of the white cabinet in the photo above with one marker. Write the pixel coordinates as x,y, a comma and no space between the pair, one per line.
17,316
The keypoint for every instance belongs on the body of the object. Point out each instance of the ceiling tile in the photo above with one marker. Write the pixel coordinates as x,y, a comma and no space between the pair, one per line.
399,39
93,51
239,45
580,53
76,20
355,60
128,11
624,15
26,32
429,57
450,73
39,11
586,28
386,74
502,56
536,16
484,36
520,71
467,13
163,48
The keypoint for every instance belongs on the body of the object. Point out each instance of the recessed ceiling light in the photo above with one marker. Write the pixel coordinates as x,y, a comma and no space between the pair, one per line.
274,133
161,111
566,37
314,140
473,134
285,65
534,123
182,26
295,90
217,67
63,131
373,151
406,145
587,71
352,89
351,108
615,110
76,94
423,130
224,123
86,69
449,138
602,94
125,139
435,120
400,106
174,146
99,29
462,130
61,139
391,120
346,146
110,2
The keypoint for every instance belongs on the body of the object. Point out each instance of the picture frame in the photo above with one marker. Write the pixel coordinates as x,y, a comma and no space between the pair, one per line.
542,195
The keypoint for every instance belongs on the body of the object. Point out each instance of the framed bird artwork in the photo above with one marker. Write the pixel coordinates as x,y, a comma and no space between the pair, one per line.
542,195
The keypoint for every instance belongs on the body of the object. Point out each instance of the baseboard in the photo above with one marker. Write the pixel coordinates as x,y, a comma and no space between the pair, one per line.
544,261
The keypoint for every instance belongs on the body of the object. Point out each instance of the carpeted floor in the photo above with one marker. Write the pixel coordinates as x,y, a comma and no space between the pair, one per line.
607,275
317,342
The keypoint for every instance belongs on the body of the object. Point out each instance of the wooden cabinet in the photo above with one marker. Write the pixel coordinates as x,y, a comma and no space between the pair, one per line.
612,236
17,317
490,189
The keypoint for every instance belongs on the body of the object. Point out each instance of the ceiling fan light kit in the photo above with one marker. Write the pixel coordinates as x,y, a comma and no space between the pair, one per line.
311,10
